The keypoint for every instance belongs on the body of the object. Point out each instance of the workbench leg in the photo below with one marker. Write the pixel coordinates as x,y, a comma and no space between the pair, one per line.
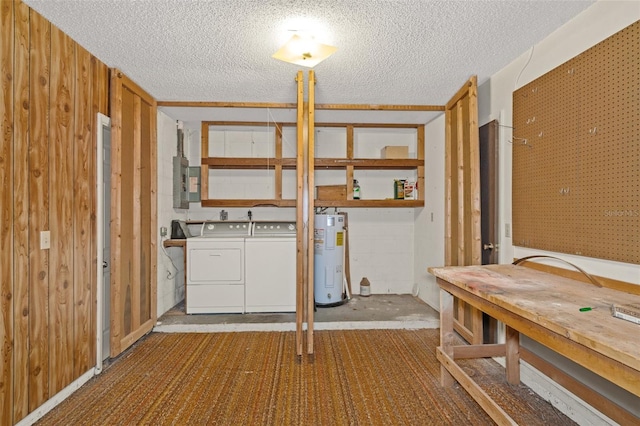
512,355
446,335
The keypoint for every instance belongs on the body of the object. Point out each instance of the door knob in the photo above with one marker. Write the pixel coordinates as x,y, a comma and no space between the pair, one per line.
488,246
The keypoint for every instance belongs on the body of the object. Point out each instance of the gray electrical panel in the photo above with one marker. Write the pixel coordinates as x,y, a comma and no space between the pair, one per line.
180,183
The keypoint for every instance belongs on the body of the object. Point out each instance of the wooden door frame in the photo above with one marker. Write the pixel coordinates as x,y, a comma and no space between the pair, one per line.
489,196
489,175
462,196
140,326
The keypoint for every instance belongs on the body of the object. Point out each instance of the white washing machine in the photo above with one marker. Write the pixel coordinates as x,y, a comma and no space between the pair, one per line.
216,268
270,265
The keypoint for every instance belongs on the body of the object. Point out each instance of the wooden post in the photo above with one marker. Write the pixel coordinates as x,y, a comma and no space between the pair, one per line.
311,191
300,230
446,335
512,355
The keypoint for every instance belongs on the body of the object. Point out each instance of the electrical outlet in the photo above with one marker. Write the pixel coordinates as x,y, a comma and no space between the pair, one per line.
45,240
163,231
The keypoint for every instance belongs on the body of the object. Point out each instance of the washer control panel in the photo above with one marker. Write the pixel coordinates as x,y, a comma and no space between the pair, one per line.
274,229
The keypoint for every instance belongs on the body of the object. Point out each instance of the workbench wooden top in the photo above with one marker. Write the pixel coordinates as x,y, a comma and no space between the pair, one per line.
554,302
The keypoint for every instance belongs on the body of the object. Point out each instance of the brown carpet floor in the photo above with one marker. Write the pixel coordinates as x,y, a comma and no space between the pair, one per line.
356,377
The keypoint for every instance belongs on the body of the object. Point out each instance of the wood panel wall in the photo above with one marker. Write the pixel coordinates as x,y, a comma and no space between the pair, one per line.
50,94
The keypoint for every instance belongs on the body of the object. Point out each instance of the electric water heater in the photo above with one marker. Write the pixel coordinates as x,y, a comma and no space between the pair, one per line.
328,236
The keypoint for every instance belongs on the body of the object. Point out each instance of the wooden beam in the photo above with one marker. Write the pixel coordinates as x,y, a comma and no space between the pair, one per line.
136,218
248,123
480,396
371,125
278,168
479,351
461,93
376,107
447,335
299,202
248,203
420,156
512,347
204,170
475,243
587,394
226,104
311,219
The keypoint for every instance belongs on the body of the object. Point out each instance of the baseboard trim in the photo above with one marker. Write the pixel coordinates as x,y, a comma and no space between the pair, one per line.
52,402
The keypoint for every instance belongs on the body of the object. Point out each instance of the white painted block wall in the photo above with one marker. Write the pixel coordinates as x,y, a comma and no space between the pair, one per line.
593,25
170,269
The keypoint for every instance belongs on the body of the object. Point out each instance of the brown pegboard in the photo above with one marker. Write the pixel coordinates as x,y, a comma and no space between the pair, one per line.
576,154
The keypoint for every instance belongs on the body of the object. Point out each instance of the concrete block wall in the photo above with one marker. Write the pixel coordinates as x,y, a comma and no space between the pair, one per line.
170,261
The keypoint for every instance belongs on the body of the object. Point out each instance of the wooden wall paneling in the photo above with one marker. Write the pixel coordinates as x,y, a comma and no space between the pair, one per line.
311,189
47,150
40,51
83,185
6,211
61,147
21,231
300,229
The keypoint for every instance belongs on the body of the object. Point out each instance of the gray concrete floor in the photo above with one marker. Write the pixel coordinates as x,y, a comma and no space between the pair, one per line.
376,311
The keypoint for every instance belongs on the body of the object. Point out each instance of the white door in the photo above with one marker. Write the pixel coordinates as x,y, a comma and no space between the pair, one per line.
104,239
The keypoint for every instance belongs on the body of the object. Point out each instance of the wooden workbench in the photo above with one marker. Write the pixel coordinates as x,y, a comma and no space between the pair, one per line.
546,308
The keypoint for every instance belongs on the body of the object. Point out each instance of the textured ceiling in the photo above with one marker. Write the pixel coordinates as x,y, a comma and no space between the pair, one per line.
389,51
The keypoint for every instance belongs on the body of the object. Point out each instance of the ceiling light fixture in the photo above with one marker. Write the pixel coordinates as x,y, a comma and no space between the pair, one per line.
304,51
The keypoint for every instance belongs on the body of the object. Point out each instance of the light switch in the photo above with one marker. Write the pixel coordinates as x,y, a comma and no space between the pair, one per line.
45,240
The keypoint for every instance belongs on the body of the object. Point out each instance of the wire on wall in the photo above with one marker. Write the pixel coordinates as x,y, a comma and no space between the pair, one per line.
515,86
